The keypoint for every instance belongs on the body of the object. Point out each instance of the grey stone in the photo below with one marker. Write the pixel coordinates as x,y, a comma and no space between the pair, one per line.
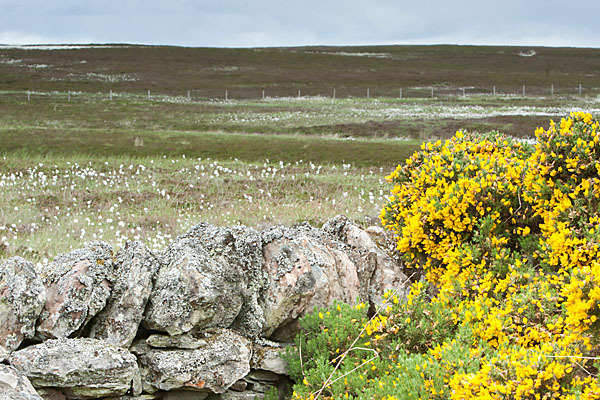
15,386
210,277
269,358
258,376
378,271
136,383
214,367
139,347
118,322
239,386
184,341
80,368
305,272
78,285
22,296
240,248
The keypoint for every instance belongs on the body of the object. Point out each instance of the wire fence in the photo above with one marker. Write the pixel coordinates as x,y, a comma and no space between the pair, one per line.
433,92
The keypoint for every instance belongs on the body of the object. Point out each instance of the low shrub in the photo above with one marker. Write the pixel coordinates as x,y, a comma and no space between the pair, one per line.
508,238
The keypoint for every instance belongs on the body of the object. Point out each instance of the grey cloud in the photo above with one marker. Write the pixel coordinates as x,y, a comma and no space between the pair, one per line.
274,22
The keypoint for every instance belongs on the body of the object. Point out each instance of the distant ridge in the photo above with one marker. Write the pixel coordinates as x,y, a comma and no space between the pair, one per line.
283,71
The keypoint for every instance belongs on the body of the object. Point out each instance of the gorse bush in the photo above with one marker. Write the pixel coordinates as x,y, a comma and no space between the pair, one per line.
508,238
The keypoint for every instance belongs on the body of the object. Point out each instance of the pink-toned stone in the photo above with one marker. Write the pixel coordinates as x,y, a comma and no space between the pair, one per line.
118,322
78,285
210,277
15,386
304,273
22,296
378,271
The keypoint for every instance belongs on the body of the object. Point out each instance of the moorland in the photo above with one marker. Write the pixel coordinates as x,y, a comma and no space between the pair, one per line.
121,142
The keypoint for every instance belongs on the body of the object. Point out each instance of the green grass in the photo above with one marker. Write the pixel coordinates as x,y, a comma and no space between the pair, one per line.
134,168
220,146
364,118
52,204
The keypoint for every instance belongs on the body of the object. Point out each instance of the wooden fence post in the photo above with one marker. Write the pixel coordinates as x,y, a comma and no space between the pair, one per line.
552,89
523,90
110,95
400,94
28,95
226,96
494,90
368,93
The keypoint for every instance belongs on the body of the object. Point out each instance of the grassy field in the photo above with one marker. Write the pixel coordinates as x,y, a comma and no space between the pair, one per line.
78,166
379,118
53,204
208,72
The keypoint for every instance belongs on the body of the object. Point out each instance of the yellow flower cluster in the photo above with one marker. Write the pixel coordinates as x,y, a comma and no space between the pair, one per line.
445,190
510,237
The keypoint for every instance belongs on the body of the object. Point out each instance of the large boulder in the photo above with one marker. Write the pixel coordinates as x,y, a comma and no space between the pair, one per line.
15,386
80,368
118,322
305,272
78,285
210,277
378,271
22,296
240,248
214,366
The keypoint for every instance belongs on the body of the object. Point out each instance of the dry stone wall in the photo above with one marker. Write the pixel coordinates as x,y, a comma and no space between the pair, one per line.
206,319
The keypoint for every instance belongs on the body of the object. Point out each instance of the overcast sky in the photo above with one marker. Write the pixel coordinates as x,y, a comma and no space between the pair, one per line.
246,23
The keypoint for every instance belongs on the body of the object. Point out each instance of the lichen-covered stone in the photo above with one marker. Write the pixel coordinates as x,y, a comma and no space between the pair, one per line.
15,386
269,358
214,367
118,322
22,296
239,247
304,273
78,285
80,368
208,276
192,291
378,272
183,341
